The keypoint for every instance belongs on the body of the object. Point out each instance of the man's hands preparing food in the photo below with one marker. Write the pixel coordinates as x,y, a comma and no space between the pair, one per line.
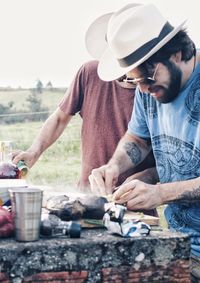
135,192
138,195
130,152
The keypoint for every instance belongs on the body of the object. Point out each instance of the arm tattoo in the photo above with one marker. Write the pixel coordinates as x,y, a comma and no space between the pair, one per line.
133,152
190,196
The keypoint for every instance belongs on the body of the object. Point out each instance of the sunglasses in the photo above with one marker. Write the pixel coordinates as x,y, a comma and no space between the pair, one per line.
143,80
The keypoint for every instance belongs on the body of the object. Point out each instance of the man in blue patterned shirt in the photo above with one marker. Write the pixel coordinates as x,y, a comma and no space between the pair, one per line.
164,64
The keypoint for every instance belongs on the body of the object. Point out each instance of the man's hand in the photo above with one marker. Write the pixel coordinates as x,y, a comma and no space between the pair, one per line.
138,195
103,179
28,157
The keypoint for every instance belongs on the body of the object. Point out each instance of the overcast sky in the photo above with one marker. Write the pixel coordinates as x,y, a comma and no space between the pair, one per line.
44,39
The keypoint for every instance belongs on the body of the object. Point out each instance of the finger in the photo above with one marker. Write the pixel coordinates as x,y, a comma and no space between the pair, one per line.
115,189
95,187
110,181
99,180
135,204
16,153
129,179
128,196
124,198
123,189
17,157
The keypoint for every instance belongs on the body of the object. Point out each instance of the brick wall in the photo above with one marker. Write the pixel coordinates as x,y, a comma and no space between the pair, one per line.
176,272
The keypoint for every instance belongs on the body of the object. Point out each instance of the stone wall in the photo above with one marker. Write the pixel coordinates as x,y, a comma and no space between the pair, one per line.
97,257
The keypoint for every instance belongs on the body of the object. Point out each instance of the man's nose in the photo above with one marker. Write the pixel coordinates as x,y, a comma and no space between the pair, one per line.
143,87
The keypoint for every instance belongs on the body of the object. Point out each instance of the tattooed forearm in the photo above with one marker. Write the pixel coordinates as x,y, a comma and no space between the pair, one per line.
133,152
190,196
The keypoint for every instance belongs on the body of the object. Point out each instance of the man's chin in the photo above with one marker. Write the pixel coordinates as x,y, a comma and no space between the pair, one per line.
162,95
158,93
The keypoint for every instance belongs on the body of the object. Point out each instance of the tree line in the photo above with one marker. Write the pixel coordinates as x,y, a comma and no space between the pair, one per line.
35,110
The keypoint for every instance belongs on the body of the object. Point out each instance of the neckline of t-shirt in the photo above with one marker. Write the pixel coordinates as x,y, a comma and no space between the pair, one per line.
125,85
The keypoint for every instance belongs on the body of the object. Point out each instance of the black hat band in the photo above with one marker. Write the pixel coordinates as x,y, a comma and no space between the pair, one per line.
146,48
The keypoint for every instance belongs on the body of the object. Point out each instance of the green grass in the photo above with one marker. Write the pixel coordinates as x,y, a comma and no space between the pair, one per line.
59,165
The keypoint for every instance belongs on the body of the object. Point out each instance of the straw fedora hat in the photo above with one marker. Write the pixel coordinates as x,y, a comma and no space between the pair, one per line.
123,40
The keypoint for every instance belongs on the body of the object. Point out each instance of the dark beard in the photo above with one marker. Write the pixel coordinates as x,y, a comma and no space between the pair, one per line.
173,90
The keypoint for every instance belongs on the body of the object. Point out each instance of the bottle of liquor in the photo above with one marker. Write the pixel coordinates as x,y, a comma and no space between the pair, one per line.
8,170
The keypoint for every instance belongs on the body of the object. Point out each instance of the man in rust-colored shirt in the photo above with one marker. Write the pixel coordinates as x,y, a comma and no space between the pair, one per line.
105,109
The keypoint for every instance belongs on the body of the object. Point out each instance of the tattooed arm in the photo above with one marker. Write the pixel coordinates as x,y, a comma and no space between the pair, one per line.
130,151
138,195
182,191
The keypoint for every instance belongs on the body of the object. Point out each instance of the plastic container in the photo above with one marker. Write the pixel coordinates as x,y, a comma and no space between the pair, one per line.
5,185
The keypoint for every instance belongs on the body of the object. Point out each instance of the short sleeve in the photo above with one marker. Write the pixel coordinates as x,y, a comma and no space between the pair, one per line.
138,125
72,101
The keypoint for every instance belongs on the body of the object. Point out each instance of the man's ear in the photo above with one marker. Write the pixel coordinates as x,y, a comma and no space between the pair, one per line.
176,57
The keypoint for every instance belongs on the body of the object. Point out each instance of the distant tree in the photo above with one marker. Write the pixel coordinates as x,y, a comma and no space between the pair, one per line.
10,104
39,86
49,85
6,109
34,102
35,105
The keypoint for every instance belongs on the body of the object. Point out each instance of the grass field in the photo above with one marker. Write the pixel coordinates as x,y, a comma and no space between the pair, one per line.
60,164
49,98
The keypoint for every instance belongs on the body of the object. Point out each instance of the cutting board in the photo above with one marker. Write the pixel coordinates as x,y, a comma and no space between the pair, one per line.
148,219
129,215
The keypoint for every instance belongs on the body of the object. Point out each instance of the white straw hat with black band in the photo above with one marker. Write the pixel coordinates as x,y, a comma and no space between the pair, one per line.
134,33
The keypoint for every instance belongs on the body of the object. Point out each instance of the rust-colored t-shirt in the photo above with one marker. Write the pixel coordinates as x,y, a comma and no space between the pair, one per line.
105,108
